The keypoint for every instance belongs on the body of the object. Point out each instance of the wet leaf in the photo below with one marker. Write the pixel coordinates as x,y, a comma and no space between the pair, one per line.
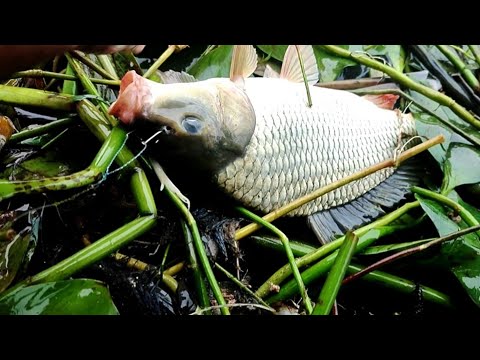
429,126
329,66
461,166
462,254
275,51
68,297
16,246
215,63
39,167
394,53
448,116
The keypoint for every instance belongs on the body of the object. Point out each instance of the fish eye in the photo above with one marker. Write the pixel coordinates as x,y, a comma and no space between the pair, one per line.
191,124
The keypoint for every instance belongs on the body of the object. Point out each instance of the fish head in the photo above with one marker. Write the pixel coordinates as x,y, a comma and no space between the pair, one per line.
211,121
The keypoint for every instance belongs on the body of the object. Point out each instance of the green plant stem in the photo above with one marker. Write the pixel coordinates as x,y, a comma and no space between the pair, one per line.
406,81
330,289
90,88
167,53
19,96
460,65
464,213
202,293
318,270
91,64
378,226
407,252
69,87
98,125
377,277
96,251
167,275
59,76
285,271
242,286
107,65
93,173
55,138
40,130
298,248
302,66
462,51
140,186
291,259
476,52
451,126
142,193
401,285
197,241
249,229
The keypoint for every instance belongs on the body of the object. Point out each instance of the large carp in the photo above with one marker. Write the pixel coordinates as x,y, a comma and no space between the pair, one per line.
265,146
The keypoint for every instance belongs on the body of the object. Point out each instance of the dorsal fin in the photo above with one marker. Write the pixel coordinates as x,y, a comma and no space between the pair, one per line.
384,101
291,69
172,77
270,73
244,63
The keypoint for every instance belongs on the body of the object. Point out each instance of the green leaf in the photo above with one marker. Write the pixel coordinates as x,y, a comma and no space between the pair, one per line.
215,63
67,297
16,248
447,116
462,254
394,53
329,66
39,167
429,126
275,51
461,166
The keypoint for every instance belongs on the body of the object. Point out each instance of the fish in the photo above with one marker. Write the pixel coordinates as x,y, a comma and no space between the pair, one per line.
262,143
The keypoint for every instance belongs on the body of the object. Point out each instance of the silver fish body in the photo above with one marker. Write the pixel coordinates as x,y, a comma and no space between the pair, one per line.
296,149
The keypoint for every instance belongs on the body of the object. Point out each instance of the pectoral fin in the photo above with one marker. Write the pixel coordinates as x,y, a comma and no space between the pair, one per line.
291,68
335,222
384,101
244,63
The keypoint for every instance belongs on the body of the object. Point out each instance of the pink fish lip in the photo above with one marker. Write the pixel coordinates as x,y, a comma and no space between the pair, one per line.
132,98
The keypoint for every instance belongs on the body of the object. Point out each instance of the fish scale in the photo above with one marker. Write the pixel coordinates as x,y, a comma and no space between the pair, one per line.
295,149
